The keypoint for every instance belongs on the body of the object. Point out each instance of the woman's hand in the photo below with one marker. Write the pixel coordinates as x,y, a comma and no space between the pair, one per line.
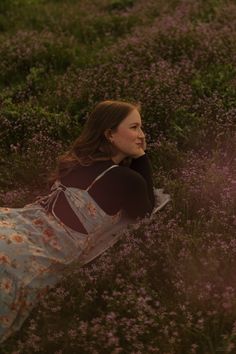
142,149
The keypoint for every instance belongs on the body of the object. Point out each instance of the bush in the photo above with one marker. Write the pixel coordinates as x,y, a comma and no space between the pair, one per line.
26,49
21,122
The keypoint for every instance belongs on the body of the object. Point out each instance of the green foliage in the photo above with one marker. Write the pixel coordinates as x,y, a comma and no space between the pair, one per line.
208,10
25,50
105,28
166,156
115,26
5,5
185,128
215,78
173,46
21,122
120,4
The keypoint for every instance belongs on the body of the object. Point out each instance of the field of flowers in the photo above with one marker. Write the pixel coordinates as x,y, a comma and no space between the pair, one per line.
169,285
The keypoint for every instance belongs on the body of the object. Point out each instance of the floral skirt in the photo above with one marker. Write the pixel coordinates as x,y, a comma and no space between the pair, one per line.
34,249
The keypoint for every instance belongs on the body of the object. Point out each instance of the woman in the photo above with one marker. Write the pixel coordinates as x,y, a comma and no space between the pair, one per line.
94,195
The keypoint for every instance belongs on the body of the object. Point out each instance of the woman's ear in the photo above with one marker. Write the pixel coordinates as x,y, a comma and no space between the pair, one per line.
108,134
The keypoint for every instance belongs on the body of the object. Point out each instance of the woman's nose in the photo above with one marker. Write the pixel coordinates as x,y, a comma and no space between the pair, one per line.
141,133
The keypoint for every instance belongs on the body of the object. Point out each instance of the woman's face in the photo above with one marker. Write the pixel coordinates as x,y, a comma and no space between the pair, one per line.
128,138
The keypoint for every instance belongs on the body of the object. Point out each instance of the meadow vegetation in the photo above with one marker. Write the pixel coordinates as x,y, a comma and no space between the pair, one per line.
169,285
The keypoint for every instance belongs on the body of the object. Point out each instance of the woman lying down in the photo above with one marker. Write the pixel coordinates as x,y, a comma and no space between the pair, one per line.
101,185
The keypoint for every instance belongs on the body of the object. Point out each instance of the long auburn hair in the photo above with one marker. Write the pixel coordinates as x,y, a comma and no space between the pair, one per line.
92,144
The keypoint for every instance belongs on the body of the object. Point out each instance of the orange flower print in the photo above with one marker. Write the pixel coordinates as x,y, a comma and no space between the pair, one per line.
91,209
17,238
6,223
49,237
4,259
49,232
6,285
38,222
54,243
37,268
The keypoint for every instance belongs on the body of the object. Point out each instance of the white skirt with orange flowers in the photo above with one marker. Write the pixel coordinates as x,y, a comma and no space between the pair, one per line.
34,249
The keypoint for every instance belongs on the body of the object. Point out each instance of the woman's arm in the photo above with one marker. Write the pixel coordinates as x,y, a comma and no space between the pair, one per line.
140,195
143,166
